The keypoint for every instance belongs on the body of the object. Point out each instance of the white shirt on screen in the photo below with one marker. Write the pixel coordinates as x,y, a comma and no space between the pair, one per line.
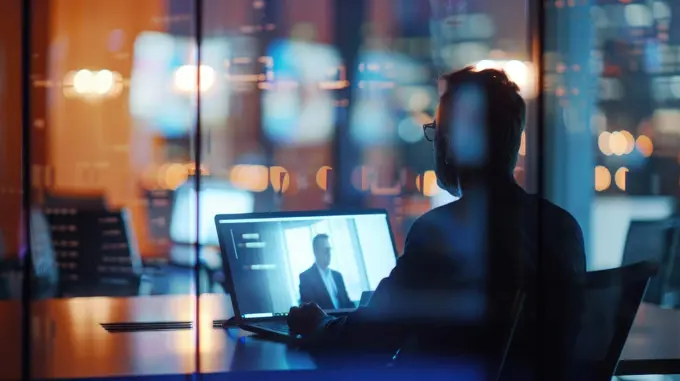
327,277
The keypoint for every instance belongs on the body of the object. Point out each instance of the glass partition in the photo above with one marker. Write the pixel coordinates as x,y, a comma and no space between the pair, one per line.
149,118
11,323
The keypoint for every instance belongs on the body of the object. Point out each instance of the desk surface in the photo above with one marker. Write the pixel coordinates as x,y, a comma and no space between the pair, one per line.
68,341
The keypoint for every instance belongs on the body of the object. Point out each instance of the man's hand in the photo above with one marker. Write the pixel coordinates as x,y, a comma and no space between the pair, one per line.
305,319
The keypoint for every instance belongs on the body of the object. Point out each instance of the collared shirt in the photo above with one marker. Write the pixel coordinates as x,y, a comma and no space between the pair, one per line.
327,277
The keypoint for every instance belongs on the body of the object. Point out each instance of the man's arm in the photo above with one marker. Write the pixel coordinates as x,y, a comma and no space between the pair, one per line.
305,289
345,301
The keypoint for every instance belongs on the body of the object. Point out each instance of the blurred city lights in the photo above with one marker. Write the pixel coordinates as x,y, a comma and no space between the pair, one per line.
620,178
603,143
92,84
427,184
280,178
630,141
617,143
186,78
322,177
603,178
521,72
644,145
254,178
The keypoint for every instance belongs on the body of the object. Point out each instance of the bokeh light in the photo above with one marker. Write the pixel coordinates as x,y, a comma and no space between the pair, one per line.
427,184
82,81
620,178
280,179
175,175
92,84
644,145
322,177
603,178
254,178
630,141
103,82
520,72
603,143
410,130
186,77
617,143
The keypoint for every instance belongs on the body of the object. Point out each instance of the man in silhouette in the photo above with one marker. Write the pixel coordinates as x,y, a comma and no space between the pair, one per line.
321,285
462,260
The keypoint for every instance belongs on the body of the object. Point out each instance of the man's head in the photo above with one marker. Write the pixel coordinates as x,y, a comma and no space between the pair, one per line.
322,250
478,126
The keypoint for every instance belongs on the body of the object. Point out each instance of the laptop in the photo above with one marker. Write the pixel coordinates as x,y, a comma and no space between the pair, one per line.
272,264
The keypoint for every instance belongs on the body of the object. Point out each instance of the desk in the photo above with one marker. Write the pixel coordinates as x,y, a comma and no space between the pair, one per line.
68,341
653,345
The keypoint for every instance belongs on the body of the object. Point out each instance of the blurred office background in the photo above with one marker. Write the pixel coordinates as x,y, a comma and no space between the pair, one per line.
307,104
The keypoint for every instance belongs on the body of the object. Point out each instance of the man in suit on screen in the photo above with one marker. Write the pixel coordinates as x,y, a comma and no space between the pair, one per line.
320,284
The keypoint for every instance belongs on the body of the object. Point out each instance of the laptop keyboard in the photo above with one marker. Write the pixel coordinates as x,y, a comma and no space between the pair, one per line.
275,326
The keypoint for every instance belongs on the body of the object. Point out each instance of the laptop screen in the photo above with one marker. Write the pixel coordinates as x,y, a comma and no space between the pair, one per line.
281,261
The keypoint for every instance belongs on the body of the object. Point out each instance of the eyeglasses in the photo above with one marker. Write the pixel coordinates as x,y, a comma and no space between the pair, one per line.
430,129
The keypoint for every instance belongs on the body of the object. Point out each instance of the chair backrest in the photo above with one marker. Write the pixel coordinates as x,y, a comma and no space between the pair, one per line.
652,240
80,201
4,277
611,302
493,340
45,271
672,269
98,254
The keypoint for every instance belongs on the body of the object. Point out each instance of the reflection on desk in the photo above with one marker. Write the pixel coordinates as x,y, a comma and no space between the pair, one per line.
68,341
653,344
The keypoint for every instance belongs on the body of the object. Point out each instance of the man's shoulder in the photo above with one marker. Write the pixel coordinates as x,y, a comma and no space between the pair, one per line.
564,237
307,272
435,216
431,231
555,215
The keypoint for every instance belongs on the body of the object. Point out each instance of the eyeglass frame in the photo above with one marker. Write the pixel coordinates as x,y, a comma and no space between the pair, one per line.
432,125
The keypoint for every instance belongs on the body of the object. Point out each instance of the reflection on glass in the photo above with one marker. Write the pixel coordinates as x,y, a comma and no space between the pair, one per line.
163,83
290,109
299,106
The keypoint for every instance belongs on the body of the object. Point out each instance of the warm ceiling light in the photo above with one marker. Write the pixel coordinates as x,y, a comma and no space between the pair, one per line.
92,84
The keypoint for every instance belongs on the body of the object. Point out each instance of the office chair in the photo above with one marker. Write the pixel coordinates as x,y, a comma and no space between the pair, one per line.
98,254
4,271
45,271
671,271
611,302
491,344
654,240
80,202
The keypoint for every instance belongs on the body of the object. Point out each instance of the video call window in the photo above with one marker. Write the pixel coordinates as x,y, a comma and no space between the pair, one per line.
273,261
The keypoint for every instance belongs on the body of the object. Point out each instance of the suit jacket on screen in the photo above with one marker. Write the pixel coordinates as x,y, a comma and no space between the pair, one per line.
313,289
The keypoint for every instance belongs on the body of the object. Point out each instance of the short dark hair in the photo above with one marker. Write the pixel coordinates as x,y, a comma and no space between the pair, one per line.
317,238
505,111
